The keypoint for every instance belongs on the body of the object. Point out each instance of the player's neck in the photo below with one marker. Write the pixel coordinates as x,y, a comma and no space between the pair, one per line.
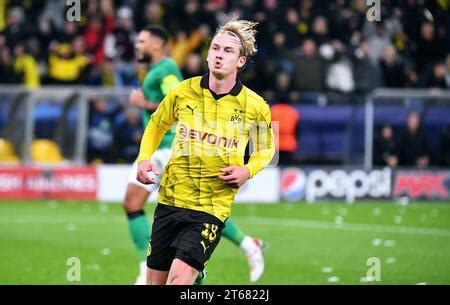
222,85
157,57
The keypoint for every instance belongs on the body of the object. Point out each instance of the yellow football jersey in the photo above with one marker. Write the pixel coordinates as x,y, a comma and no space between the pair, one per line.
212,132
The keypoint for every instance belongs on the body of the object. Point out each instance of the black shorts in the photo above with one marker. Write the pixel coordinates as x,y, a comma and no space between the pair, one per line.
185,234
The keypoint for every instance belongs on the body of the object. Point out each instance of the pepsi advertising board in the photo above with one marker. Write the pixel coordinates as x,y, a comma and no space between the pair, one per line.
312,184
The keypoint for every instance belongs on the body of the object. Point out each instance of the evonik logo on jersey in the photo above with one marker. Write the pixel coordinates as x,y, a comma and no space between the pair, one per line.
228,137
210,138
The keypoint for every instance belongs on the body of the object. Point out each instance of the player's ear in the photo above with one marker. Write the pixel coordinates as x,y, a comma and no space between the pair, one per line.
241,61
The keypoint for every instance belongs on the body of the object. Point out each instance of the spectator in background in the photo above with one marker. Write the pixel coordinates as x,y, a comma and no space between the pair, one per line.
192,16
444,148
123,37
401,42
392,70
339,78
434,76
68,34
17,28
194,42
289,27
428,47
378,42
320,30
100,134
94,35
367,75
64,66
26,66
285,120
80,54
283,89
153,13
119,45
193,66
385,147
412,144
109,75
8,74
411,17
309,72
127,136
281,53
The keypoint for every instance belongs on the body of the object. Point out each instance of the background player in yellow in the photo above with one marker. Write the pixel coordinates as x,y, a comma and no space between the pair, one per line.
162,76
216,116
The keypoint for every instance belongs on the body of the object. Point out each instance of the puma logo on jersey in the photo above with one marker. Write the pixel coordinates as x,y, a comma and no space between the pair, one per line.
190,108
204,246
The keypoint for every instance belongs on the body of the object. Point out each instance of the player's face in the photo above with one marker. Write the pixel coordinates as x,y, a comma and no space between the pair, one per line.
224,55
145,45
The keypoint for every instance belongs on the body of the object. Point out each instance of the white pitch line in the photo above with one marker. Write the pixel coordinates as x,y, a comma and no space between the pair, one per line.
60,219
315,224
290,222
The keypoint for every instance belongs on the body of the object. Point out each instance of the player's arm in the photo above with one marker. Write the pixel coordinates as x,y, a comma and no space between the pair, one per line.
263,142
161,121
264,149
138,99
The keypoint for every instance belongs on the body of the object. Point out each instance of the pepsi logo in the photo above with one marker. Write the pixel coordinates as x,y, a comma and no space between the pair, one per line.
292,184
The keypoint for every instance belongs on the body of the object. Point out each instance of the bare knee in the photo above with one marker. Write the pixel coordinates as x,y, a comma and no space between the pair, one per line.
176,279
135,198
181,273
156,277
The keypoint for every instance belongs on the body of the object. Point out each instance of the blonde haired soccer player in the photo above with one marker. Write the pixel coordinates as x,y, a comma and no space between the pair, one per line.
162,76
216,115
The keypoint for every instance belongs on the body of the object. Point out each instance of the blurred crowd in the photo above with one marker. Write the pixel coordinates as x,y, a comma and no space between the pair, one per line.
115,132
305,47
308,51
410,146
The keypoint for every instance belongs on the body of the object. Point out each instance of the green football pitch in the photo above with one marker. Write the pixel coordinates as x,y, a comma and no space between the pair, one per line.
322,243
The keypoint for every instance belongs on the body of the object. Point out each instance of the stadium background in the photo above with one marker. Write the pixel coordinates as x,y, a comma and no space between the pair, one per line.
67,135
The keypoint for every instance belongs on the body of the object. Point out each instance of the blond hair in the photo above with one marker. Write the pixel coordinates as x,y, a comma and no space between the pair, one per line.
244,30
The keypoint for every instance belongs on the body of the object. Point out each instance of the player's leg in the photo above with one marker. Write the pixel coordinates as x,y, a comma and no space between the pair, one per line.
252,247
233,232
138,223
156,277
201,277
195,243
181,273
161,253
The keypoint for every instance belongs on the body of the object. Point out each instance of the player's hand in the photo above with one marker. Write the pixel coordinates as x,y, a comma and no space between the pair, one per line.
235,176
145,170
137,98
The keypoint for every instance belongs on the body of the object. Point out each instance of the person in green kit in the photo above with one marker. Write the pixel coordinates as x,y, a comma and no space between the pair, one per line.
164,74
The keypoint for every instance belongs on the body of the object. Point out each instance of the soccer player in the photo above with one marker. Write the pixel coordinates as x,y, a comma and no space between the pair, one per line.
162,76
216,116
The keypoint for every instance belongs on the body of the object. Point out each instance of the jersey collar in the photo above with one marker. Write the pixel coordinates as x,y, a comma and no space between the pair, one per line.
204,83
